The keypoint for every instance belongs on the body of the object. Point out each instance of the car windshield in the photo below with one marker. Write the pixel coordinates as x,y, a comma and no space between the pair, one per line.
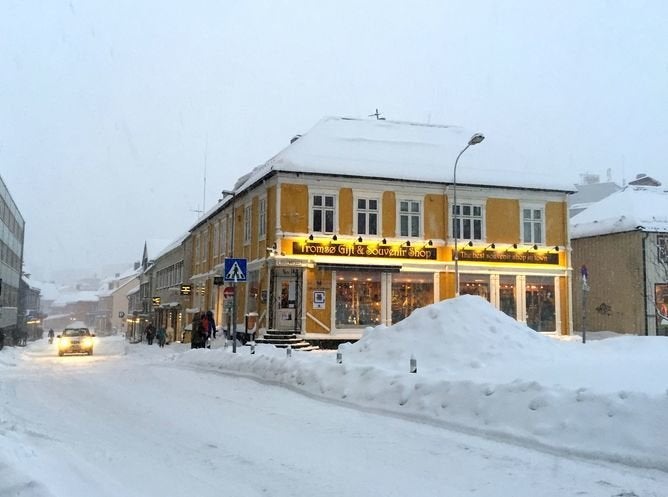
79,332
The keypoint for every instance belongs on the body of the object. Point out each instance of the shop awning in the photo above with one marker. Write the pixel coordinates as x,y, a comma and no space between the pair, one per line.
354,267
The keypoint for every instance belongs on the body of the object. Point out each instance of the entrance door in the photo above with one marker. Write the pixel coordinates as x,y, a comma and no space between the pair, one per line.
287,299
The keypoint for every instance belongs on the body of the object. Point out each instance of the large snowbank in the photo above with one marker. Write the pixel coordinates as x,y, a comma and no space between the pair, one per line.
480,371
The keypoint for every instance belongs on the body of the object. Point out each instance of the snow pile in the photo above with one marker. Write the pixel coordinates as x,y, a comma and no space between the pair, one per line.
482,372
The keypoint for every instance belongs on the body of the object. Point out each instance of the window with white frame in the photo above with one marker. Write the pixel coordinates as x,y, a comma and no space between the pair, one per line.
367,216
216,243
410,218
224,238
205,246
662,245
248,210
467,221
532,224
262,218
196,254
323,213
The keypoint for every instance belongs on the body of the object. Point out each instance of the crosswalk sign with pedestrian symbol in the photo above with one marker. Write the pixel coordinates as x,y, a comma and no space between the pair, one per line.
235,269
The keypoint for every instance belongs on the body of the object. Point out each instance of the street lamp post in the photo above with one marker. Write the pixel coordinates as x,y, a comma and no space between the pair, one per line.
234,283
475,139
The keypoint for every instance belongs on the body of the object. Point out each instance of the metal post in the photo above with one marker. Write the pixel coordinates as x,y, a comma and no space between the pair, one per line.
455,220
585,291
413,364
339,357
234,317
584,274
475,139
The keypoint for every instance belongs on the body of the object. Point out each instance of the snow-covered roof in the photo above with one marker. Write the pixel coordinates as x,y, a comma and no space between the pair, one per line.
172,245
407,151
632,208
154,246
72,297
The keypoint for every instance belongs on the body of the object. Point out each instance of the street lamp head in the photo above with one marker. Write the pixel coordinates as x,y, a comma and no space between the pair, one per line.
477,138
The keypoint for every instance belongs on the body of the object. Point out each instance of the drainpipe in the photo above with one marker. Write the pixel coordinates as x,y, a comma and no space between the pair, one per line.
644,278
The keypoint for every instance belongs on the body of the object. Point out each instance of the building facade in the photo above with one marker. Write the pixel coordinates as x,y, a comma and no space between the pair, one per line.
620,259
12,230
350,227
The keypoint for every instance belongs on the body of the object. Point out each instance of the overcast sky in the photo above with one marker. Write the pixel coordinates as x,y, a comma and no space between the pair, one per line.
110,111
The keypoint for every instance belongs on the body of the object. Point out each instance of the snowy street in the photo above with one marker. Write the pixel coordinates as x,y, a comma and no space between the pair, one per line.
134,420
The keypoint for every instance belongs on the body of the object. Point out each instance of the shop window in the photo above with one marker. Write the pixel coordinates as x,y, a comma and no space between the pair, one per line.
358,299
410,218
661,291
532,225
474,284
367,216
410,292
507,296
540,303
323,213
469,222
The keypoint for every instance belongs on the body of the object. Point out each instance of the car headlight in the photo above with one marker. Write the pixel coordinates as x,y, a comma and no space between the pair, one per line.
63,343
87,342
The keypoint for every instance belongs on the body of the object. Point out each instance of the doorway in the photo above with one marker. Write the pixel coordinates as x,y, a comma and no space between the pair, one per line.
286,289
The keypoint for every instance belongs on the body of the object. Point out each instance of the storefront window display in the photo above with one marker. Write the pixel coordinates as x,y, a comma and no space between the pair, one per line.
409,292
540,303
358,299
661,291
507,296
474,284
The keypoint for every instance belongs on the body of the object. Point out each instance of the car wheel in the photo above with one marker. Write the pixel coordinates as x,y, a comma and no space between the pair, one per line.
61,353
90,352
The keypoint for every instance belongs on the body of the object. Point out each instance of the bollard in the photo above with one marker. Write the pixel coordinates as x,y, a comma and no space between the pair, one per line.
252,348
413,368
339,357
288,351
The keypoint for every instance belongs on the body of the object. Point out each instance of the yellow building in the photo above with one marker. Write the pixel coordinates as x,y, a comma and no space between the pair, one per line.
352,225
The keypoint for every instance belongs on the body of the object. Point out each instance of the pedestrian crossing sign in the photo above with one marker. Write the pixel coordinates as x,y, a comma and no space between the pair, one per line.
235,269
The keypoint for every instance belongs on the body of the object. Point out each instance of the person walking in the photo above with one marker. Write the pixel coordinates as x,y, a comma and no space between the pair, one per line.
212,324
51,335
161,335
2,339
206,328
150,333
196,332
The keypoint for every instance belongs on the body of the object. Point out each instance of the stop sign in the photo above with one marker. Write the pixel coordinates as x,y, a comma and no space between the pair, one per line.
228,291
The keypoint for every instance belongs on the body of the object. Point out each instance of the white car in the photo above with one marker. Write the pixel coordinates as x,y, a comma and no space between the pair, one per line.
76,340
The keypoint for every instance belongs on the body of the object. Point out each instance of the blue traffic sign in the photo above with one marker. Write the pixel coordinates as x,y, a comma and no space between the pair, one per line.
235,269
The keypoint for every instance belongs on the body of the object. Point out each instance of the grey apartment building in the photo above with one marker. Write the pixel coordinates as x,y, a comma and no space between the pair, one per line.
12,228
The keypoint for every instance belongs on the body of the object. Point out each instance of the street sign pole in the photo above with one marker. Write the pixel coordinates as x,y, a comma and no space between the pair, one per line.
234,317
235,271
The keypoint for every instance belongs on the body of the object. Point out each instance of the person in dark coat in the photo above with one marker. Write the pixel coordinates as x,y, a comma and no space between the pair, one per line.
2,339
196,336
150,333
212,324
206,327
